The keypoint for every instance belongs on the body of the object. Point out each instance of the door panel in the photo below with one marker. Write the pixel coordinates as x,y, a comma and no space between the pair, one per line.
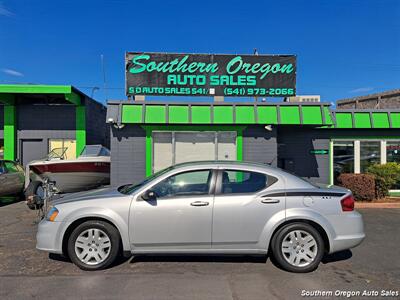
172,223
178,217
194,146
226,146
239,219
163,150
31,149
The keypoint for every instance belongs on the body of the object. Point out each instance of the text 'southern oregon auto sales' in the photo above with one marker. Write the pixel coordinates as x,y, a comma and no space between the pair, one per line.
210,74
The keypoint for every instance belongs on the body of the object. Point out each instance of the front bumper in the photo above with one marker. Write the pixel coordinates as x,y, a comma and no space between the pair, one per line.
349,229
49,236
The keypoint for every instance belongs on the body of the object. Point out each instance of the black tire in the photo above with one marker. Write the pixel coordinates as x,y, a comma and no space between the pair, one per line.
31,196
112,234
279,256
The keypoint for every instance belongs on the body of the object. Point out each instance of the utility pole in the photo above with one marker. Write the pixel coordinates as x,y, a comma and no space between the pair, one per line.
255,52
104,78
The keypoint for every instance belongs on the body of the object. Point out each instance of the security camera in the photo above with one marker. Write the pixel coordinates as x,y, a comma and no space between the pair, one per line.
268,127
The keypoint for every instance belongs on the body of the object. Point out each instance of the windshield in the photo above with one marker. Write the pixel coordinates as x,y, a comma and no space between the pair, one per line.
95,150
130,188
57,153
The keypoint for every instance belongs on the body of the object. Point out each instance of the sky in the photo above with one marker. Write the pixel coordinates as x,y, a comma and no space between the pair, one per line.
344,48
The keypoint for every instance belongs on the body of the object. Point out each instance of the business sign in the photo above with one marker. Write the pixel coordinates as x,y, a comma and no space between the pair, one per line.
319,151
210,75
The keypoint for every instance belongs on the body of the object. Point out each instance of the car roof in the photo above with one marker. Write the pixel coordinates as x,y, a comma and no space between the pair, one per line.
294,180
228,164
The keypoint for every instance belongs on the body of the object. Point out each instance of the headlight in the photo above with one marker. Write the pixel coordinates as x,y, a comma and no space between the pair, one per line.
52,214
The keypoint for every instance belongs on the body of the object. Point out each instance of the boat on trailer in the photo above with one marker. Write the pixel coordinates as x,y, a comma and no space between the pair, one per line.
90,170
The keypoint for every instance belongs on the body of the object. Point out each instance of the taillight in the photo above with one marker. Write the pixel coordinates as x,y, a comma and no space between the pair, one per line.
347,203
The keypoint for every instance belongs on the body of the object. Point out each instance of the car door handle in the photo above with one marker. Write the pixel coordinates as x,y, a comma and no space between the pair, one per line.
270,201
199,203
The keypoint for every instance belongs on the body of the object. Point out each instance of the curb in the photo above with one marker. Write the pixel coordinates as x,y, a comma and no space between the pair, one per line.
377,205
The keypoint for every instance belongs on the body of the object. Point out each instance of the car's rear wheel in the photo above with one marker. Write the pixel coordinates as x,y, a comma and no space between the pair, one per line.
298,247
94,245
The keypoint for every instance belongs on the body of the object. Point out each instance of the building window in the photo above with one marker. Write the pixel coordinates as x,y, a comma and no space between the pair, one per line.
343,158
393,151
370,153
170,148
356,156
63,148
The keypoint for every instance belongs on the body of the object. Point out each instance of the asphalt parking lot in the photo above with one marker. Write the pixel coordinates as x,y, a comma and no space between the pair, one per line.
28,273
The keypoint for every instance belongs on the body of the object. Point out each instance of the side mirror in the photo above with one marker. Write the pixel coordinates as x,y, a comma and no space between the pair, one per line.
148,195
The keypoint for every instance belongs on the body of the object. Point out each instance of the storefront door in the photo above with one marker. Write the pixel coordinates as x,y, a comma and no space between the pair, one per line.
170,148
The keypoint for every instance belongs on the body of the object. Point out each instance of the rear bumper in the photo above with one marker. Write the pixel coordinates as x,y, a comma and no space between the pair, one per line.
49,236
349,229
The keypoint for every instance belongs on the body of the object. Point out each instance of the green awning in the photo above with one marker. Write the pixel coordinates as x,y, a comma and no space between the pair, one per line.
315,114
71,94
226,113
360,119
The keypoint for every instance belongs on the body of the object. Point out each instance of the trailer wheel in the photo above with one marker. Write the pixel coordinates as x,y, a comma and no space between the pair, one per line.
34,195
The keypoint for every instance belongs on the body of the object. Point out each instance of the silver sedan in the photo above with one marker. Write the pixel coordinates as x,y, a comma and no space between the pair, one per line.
205,207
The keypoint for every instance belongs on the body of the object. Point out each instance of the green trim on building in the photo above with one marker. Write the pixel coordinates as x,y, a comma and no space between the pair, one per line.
395,117
226,113
312,115
10,132
7,97
381,120
149,138
80,135
331,170
35,89
132,113
344,120
267,115
154,114
362,120
365,119
201,114
223,115
245,115
319,115
178,114
290,115
73,98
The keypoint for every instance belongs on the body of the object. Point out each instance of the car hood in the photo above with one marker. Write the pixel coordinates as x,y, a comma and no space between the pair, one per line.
87,195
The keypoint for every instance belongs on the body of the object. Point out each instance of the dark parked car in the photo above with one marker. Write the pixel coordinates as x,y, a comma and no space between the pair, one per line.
12,178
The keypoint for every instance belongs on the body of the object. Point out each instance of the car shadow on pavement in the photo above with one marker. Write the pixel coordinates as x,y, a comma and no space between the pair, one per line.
200,258
7,200
338,256
62,258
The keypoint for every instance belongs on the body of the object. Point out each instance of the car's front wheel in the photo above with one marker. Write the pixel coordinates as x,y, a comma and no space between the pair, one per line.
94,245
298,247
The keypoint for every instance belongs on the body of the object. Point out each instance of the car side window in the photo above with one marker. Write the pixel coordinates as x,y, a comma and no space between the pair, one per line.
239,182
11,167
192,183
